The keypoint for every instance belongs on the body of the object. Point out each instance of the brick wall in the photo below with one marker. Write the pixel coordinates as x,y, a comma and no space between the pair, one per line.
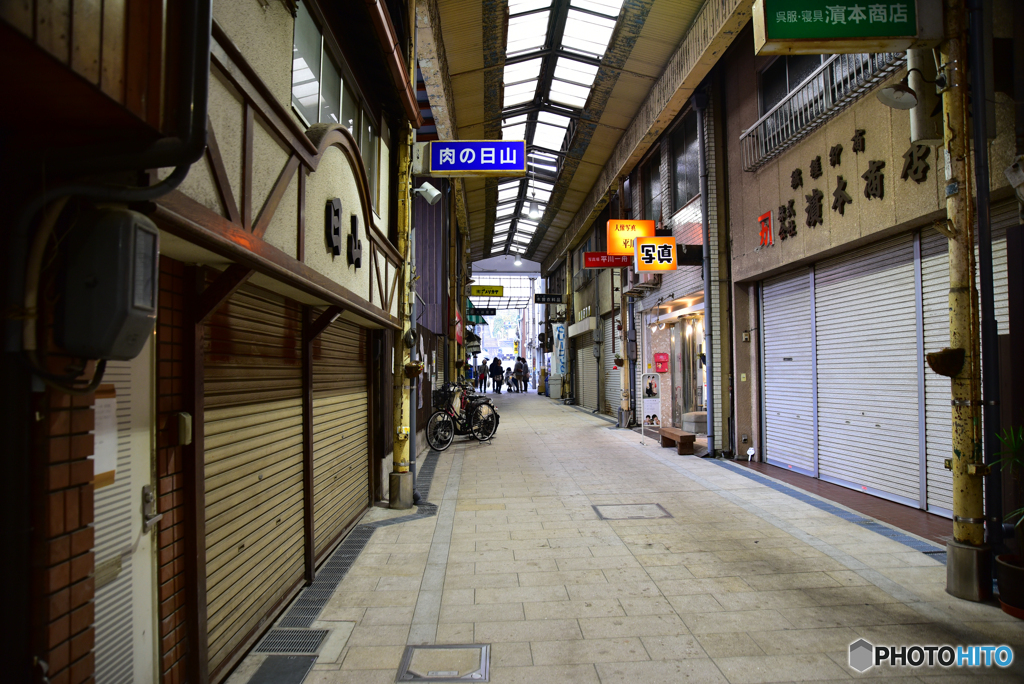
171,399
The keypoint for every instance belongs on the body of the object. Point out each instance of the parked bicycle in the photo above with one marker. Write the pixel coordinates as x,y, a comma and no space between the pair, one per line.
460,412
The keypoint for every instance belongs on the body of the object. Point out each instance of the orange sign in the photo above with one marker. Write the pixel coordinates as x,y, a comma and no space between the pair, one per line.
655,254
622,233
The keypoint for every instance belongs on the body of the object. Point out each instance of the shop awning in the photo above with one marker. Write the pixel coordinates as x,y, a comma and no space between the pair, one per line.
471,318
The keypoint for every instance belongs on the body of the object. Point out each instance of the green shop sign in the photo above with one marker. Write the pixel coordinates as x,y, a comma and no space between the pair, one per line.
821,26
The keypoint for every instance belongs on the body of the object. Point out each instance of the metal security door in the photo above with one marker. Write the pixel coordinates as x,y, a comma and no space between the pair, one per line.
865,307
788,372
612,375
341,466
125,594
253,473
586,372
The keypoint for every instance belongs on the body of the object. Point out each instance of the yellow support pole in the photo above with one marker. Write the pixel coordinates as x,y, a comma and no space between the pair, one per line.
967,573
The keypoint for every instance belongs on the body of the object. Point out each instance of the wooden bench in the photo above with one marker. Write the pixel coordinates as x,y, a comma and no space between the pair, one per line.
683,440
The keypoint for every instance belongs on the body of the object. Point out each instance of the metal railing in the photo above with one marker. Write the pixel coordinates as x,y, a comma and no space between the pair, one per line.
835,85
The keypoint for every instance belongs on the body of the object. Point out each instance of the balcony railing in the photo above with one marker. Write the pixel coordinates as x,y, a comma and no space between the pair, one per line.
834,86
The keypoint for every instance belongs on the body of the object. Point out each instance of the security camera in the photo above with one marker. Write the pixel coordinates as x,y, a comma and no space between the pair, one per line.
429,193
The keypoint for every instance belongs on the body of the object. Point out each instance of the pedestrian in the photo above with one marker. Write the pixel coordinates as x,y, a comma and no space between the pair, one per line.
517,374
526,375
496,374
481,376
508,380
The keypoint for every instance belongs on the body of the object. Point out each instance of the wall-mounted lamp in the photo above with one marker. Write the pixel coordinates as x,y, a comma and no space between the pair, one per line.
429,193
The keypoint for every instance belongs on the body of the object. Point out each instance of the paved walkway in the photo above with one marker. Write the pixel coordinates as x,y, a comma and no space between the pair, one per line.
582,556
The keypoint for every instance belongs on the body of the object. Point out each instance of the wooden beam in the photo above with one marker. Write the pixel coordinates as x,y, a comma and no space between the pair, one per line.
248,124
230,279
220,175
274,198
323,320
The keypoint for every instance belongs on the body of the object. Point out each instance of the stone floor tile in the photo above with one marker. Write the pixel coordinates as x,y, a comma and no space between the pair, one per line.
673,647
690,670
454,633
588,651
573,609
537,630
788,641
458,597
351,677
735,621
521,594
788,668
577,674
373,657
383,616
481,613
695,603
721,585
764,600
538,579
728,644
619,627
511,655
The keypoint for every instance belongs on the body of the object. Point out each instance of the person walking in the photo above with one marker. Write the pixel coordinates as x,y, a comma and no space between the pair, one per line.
517,374
526,375
481,376
496,374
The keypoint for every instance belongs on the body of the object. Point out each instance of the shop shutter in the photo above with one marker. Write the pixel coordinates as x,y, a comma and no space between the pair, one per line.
341,466
612,374
253,465
867,370
788,372
586,372
937,411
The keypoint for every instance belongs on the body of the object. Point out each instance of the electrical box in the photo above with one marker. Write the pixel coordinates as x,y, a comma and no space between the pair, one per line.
110,292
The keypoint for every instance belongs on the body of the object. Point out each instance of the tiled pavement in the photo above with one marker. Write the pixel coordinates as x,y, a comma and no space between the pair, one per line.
743,583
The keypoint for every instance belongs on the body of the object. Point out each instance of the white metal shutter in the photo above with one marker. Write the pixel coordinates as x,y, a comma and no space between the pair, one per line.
586,372
253,465
938,414
1004,215
115,506
867,370
341,466
788,382
612,373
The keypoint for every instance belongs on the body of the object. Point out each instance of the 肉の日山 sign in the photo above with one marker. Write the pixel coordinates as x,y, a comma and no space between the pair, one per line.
834,26
478,158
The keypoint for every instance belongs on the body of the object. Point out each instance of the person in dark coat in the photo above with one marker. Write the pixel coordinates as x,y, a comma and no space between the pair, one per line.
497,374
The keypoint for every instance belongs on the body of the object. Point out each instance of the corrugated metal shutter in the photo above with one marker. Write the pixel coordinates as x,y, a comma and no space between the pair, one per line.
341,467
114,509
788,380
253,440
867,370
1004,215
612,374
937,411
586,372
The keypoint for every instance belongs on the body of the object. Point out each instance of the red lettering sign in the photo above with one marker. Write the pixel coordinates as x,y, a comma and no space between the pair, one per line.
605,260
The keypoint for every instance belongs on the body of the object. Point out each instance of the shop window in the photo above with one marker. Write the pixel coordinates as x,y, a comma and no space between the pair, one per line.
785,75
650,181
685,161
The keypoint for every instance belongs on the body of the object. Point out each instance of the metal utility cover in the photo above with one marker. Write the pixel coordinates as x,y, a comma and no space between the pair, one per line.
446,663
644,511
283,670
292,641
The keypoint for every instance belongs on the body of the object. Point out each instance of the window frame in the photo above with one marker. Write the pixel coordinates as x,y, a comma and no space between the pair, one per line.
680,124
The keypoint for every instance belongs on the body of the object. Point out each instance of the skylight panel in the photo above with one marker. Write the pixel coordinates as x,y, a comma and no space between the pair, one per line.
575,72
516,132
553,119
609,7
506,210
519,93
522,71
548,136
508,192
542,195
587,33
568,94
518,6
527,32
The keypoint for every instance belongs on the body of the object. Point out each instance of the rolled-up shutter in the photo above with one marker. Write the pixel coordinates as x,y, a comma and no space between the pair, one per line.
867,370
253,464
788,372
612,374
586,372
341,466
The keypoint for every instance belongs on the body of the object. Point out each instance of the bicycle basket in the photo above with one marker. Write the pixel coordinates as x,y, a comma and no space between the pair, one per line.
440,398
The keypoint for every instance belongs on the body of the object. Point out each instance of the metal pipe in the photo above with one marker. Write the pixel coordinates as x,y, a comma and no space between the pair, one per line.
700,103
989,325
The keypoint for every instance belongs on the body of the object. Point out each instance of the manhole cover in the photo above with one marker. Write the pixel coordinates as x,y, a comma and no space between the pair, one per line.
446,663
644,511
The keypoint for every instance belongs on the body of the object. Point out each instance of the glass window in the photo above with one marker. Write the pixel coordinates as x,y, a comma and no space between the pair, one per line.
785,75
330,93
685,161
651,183
368,149
350,114
306,52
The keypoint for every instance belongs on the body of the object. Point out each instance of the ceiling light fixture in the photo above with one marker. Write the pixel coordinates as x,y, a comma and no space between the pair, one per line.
518,261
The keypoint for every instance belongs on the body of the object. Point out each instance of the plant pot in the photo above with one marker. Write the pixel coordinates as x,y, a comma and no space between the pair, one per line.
413,369
1010,576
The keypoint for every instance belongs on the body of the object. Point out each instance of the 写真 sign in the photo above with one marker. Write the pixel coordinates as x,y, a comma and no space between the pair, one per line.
655,254
478,158
605,260
835,26
547,298
621,235
486,290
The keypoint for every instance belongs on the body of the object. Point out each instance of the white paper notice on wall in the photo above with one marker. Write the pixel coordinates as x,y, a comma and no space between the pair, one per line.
104,457
652,399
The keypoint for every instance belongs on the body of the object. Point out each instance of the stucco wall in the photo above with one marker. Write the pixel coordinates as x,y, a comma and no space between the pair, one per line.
271,55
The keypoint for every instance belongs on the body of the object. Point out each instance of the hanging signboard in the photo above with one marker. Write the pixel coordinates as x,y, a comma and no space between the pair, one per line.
622,233
506,158
811,27
605,260
481,311
547,298
486,290
655,254
558,366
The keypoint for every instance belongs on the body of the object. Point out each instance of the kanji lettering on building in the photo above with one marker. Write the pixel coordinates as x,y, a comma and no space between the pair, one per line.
877,14
874,185
647,254
796,180
767,237
915,165
842,198
858,140
857,14
816,167
787,226
507,156
813,208
898,13
664,254
447,155
836,14
835,155
487,155
467,155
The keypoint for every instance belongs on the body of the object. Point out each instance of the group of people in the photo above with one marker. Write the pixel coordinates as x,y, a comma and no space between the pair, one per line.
516,378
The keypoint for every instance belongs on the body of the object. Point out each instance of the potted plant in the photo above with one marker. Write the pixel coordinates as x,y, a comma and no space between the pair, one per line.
619,361
1009,566
413,369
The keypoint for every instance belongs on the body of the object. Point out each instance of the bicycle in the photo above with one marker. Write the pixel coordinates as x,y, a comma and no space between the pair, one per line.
475,416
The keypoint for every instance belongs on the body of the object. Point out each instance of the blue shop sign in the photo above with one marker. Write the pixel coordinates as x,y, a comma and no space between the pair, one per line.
478,158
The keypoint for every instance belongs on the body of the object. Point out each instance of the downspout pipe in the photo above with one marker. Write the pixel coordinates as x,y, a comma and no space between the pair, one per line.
180,151
700,103
989,325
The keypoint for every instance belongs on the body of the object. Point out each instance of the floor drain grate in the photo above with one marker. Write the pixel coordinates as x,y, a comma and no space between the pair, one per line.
292,641
446,663
643,511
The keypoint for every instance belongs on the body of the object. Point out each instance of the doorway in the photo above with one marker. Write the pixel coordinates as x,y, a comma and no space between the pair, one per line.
686,367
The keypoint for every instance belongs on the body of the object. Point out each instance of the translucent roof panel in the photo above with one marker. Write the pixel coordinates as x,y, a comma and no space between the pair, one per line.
586,33
506,192
549,136
517,6
569,94
506,210
575,72
609,7
519,93
516,132
527,32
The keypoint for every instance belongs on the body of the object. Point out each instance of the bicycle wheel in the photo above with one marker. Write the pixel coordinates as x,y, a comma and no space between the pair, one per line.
484,422
440,431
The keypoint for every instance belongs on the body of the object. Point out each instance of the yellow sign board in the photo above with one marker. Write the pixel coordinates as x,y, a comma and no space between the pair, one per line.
486,290
655,254
622,233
